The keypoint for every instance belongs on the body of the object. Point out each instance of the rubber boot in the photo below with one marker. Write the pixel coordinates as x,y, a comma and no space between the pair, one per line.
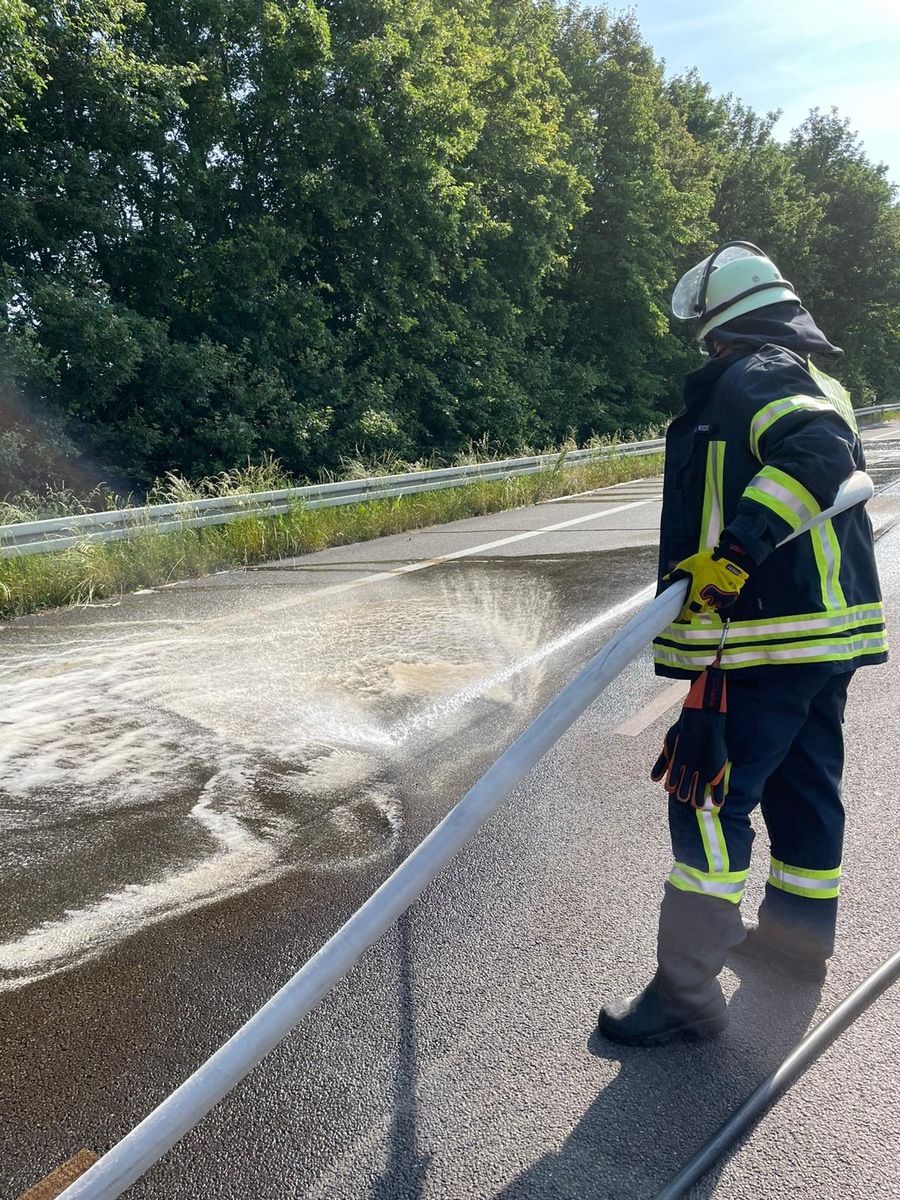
661,1014
775,947
684,999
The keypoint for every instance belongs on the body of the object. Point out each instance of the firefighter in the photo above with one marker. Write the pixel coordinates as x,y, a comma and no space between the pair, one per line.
762,444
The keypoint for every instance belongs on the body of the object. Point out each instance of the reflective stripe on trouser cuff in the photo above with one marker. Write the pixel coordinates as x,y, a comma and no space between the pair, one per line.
815,885
729,885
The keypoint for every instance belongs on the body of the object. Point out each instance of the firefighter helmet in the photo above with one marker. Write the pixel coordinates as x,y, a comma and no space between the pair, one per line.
735,279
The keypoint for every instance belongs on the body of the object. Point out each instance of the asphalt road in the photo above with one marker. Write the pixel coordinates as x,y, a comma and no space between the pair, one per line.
222,771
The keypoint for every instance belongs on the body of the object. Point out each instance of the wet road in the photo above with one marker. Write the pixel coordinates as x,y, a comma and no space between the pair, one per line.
222,771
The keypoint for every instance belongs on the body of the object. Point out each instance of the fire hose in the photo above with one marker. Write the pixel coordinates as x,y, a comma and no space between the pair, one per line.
188,1104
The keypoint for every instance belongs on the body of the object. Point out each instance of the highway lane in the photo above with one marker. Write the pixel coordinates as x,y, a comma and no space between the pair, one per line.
192,741
207,779
453,1063
458,1061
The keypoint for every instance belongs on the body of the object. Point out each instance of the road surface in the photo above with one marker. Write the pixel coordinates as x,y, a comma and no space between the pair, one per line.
201,783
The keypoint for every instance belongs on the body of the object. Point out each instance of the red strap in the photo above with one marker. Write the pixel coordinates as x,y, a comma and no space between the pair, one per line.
708,691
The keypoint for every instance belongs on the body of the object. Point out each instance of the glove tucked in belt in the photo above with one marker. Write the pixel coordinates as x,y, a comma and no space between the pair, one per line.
716,576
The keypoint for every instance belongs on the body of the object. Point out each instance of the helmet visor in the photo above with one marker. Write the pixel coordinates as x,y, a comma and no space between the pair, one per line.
689,297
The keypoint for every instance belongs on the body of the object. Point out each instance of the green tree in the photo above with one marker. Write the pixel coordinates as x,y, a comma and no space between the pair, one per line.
851,277
759,195
77,109
821,209
648,207
317,227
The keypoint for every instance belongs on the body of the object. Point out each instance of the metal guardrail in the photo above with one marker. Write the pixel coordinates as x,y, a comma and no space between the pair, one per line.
245,1049
60,533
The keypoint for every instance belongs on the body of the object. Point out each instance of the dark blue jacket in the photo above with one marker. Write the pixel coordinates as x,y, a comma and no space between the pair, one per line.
763,443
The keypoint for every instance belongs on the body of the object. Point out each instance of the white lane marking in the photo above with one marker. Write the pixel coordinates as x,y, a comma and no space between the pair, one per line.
878,437
666,699
887,523
335,589
519,537
653,492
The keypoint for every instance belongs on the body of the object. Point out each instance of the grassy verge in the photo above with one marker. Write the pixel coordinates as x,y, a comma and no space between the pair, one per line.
88,573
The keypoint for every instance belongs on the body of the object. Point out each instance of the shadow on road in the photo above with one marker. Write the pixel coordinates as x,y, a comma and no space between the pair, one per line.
405,1169
666,1102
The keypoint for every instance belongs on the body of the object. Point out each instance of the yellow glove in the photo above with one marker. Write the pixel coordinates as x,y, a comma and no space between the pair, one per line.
716,582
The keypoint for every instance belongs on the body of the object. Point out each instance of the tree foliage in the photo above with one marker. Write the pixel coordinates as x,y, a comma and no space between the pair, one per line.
320,227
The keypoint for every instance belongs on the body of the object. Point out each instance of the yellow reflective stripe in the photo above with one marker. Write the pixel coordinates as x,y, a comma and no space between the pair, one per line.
712,522
770,413
729,885
819,651
713,839
807,624
799,881
784,495
806,872
776,505
836,393
827,550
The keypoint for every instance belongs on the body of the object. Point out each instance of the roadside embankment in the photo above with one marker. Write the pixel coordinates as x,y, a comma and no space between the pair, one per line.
96,571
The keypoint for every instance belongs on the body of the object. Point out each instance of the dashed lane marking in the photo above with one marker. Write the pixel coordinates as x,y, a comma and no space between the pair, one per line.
660,703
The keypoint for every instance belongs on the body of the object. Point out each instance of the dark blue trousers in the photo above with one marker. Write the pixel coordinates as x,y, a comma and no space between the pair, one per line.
785,743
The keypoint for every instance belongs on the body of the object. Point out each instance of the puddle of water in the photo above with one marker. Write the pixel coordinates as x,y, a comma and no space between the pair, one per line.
142,777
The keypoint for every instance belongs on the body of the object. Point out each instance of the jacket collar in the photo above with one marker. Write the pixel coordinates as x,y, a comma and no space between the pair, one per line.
698,384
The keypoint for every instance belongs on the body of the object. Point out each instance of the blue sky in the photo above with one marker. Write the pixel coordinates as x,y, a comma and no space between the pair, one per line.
793,55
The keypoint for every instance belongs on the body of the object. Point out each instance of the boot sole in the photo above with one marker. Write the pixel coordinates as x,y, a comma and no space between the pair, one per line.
697,1031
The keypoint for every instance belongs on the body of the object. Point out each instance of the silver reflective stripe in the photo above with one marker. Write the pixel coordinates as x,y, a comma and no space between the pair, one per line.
809,624
785,497
702,883
820,651
817,650
780,874
713,840
713,521
800,881
827,551
766,417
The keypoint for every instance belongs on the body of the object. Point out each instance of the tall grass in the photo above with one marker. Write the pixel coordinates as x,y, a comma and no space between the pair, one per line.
266,476
92,572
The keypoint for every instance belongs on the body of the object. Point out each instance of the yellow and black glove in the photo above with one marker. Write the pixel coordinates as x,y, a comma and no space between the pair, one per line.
716,578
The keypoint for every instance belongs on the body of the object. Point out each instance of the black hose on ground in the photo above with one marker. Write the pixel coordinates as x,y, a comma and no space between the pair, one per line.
815,1042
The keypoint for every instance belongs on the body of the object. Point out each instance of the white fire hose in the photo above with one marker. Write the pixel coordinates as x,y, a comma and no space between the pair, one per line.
186,1106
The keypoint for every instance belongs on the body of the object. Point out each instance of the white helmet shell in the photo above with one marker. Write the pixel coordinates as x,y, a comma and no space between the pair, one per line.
737,278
